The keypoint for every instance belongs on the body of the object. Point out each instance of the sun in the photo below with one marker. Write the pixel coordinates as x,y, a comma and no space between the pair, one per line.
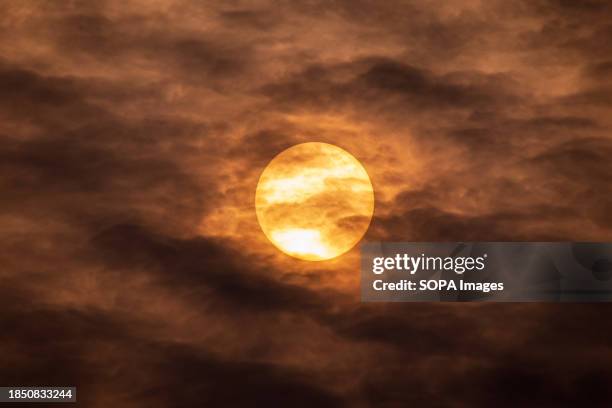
314,201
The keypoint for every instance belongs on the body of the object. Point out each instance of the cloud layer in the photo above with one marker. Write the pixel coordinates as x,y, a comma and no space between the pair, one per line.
133,137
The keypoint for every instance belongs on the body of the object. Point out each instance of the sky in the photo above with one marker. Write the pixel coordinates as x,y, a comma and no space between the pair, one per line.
134,133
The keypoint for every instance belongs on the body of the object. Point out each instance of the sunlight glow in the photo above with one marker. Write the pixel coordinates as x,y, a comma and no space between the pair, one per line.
299,241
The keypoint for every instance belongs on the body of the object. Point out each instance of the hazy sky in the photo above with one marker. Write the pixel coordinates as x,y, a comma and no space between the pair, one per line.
133,135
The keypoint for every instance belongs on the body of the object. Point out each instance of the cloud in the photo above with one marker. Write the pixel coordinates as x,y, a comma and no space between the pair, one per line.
213,270
104,354
384,83
133,137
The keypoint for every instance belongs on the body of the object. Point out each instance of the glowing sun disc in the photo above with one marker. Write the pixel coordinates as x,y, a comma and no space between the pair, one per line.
314,201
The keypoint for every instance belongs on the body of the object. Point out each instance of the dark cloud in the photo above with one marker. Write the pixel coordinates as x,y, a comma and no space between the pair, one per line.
50,103
386,84
218,380
594,97
256,19
585,175
133,137
600,70
104,355
424,90
259,147
213,270
75,147
434,225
